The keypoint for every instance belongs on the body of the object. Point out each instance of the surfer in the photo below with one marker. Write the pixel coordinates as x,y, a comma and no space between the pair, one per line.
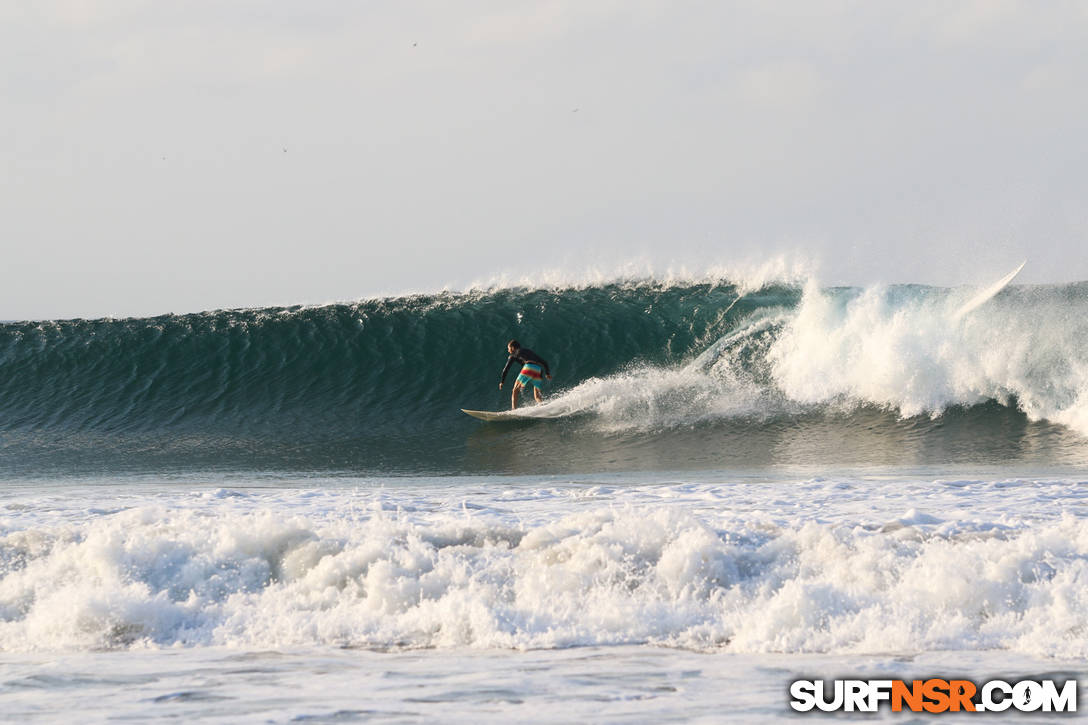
533,370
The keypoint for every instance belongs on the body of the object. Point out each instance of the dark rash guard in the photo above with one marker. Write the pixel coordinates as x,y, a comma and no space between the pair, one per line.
524,355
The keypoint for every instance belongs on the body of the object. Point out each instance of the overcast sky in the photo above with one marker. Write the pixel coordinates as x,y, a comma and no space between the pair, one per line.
178,156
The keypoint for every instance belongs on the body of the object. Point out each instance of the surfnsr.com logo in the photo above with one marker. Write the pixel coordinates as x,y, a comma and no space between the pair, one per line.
933,695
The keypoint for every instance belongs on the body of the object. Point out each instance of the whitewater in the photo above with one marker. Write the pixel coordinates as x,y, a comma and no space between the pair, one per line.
281,515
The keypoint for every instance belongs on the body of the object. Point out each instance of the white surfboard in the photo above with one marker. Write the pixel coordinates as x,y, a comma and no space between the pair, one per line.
987,293
499,416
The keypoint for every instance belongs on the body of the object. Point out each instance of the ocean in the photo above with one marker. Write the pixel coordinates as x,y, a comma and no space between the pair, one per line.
282,515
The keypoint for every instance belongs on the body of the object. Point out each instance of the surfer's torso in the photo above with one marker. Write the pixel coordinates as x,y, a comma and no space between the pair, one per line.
524,355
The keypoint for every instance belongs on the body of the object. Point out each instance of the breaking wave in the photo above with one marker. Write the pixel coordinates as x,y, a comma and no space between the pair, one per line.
647,374
692,566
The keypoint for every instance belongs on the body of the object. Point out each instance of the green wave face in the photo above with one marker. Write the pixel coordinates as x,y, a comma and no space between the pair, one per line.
646,376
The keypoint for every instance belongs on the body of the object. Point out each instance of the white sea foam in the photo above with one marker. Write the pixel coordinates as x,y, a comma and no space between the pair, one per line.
830,566
911,355
901,349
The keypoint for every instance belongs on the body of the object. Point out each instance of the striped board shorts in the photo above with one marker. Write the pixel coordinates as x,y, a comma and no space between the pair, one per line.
531,374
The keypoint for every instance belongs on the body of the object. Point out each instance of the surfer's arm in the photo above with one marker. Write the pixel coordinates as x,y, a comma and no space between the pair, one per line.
509,362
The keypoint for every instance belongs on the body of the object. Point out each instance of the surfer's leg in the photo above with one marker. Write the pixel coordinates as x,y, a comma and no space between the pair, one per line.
537,395
514,396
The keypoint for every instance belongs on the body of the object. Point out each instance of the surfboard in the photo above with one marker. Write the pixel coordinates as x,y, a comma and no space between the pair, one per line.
500,416
987,293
